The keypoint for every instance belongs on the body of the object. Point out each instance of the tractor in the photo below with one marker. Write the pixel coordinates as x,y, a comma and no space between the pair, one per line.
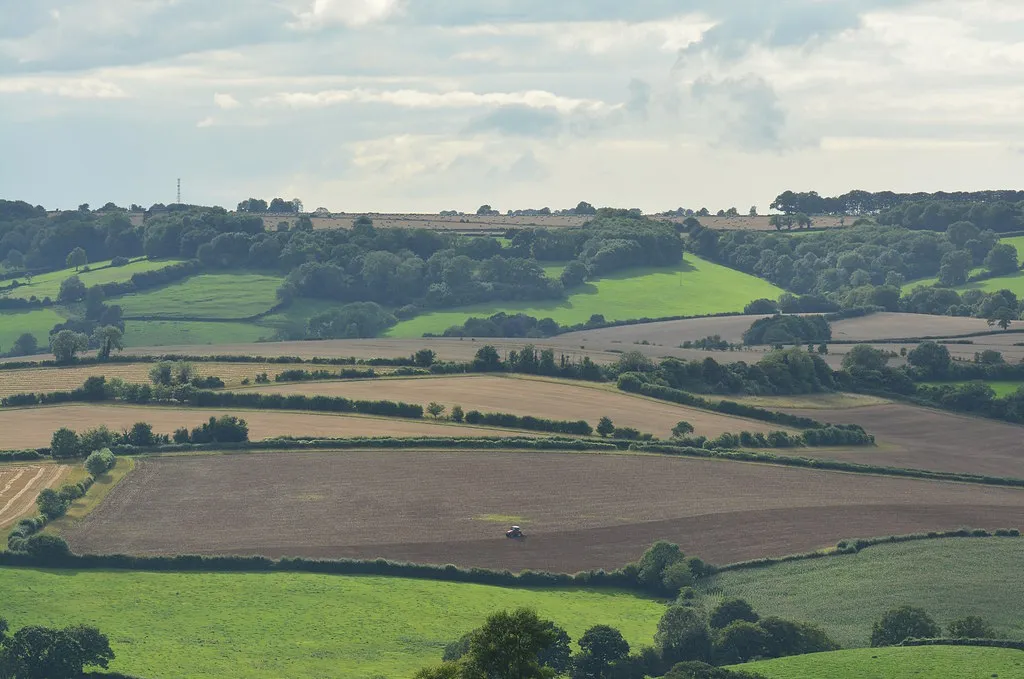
514,533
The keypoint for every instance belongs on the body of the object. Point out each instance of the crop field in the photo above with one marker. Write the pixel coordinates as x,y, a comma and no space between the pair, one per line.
33,427
579,510
20,483
38,322
886,325
1002,389
916,662
231,296
922,438
559,400
696,287
42,380
48,284
296,625
186,334
949,578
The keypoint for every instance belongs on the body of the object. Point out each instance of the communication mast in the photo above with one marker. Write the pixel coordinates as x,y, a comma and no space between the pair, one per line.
179,191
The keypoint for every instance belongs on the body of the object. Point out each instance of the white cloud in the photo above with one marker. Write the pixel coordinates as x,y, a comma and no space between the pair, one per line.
206,122
74,88
225,101
352,13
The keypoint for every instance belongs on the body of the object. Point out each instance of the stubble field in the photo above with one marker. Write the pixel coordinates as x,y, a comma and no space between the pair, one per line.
580,511
20,483
559,400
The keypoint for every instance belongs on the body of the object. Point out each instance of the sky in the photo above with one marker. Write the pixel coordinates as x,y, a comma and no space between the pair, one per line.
429,105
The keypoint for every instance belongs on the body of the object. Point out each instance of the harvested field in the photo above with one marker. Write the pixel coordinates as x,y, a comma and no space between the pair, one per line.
42,380
921,438
20,484
667,333
558,400
884,326
579,510
33,427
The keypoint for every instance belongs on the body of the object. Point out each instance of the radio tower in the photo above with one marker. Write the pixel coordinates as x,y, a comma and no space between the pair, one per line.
179,191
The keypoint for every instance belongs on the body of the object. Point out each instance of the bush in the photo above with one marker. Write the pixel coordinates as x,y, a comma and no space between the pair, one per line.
971,627
739,642
51,505
226,429
900,624
100,462
47,547
732,610
64,444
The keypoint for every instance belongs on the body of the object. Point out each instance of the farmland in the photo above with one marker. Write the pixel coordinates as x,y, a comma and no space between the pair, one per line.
560,400
33,427
695,288
581,510
99,273
264,626
949,578
37,322
20,483
186,334
229,296
895,663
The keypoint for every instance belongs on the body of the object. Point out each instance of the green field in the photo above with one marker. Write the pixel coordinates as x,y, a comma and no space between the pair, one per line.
217,625
949,578
1012,282
919,662
234,295
39,322
48,285
696,288
168,333
1002,389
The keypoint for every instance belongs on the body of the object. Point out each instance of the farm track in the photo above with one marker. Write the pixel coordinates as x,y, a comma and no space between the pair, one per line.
538,397
921,438
580,511
19,486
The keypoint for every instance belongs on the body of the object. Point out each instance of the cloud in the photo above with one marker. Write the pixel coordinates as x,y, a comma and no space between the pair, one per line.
351,13
743,113
519,121
225,101
534,99
73,88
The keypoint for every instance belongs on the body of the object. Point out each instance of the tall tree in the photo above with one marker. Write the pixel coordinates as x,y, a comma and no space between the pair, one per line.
77,258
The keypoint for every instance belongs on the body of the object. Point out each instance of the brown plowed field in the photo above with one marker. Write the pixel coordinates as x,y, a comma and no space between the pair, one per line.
579,510
921,438
20,484
33,427
43,380
556,400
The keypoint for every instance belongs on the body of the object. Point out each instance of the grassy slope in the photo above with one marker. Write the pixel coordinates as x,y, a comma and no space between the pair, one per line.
1013,282
218,625
846,594
166,333
697,287
39,322
48,285
234,295
1002,389
947,662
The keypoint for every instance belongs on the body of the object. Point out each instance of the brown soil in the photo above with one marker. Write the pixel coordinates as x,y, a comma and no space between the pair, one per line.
897,326
33,427
579,510
20,484
921,438
552,399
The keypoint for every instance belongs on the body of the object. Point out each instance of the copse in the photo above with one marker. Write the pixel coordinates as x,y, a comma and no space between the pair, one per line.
900,624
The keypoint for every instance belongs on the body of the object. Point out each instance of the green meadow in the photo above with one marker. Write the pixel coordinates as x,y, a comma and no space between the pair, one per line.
845,595
263,626
39,322
915,662
172,333
230,296
1002,389
695,288
1013,282
48,284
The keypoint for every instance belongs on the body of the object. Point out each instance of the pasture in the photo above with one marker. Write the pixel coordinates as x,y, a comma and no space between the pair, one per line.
38,322
580,510
217,296
186,334
301,626
1002,389
695,288
948,578
99,273
33,427
554,399
20,483
915,662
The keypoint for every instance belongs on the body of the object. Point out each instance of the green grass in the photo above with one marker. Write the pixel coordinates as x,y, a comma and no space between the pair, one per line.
217,625
917,662
234,295
1013,282
696,288
167,333
48,285
1002,389
39,322
1017,242
845,595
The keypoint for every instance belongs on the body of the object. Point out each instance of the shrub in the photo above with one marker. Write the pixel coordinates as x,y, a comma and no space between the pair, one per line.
732,610
100,462
739,642
51,505
458,415
64,444
900,624
46,547
971,627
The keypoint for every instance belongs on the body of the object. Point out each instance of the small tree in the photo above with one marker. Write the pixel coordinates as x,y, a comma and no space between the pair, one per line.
605,427
900,624
51,504
971,627
458,415
100,462
600,647
163,374
72,289
108,338
682,428
730,611
1003,317
424,358
64,444
141,434
435,409
66,344
739,642
77,258
509,644
683,635
25,345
